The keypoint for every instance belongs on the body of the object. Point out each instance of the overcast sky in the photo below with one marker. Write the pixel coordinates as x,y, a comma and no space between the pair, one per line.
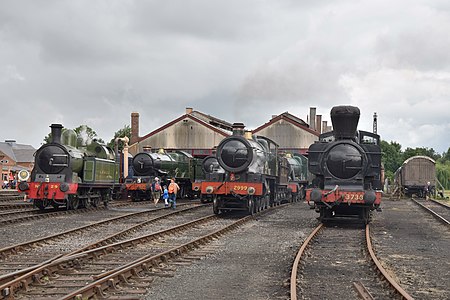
95,62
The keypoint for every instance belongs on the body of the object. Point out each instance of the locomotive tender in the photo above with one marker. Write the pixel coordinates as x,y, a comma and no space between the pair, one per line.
148,165
248,174
346,164
64,174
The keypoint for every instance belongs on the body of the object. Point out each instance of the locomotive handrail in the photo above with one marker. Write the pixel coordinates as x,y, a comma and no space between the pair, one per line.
332,191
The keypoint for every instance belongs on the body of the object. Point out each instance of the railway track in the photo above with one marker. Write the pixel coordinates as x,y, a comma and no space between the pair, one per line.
414,247
122,268
8,195
15,206
439,210
337,262
17,213
36,251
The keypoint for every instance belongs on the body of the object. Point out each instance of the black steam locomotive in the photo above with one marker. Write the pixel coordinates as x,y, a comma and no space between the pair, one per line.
346,164
247,174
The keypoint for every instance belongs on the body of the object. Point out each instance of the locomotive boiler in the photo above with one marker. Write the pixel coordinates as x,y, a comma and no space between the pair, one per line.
346,165
250,174
71,175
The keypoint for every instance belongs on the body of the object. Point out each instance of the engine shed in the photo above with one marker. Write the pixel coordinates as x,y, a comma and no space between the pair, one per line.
199,134
291,133
194,132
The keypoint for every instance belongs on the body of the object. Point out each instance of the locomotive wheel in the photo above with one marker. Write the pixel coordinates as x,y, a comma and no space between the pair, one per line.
83,203
366,215
325,215
41,204
216,209
251,206
73,203
95,201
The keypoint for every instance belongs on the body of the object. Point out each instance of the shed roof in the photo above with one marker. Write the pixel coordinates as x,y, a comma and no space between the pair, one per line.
289,118
216,122
219,130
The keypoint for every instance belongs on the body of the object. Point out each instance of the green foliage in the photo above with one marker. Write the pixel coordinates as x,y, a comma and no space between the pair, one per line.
47,138
445,157
392,157
443,173
124,132
409,152
84,133
87,134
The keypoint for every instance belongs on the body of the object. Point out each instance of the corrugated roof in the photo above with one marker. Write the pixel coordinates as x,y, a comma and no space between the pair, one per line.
217,129
291,119
216,122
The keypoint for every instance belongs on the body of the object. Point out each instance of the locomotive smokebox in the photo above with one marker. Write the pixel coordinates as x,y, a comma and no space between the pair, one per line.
345,121
56,133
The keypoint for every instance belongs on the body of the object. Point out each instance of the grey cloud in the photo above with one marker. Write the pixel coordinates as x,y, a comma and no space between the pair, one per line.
197,18
95,62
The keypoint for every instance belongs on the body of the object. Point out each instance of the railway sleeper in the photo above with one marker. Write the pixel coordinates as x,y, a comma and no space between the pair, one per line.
161,273
130,291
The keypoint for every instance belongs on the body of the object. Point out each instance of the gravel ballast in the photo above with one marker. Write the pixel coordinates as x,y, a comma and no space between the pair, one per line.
254,261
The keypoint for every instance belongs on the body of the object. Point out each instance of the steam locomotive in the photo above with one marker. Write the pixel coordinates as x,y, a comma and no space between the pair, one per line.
346,165
247,174
148,165
65,174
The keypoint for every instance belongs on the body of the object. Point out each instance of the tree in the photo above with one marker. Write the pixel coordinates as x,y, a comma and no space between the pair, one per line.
443,174
445,157
392,157
124,132
84,133
410,152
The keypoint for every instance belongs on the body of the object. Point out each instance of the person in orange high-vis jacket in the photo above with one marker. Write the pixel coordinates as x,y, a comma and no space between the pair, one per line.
173,190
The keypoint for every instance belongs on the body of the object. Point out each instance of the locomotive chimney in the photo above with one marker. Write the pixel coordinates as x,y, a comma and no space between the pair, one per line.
345,121
238,129
56,133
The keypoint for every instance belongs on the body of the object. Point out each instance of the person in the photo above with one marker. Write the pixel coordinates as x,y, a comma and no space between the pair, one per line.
156,190
428,191
165,196
173,190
